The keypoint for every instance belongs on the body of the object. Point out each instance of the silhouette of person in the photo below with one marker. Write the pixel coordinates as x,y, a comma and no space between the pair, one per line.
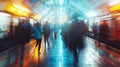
77,33
38,34
95,29
11,27
46,32
104,29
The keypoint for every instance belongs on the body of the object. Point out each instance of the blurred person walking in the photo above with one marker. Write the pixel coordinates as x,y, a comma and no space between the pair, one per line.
12,29
77,34
104,29
95,29
37,30
46,32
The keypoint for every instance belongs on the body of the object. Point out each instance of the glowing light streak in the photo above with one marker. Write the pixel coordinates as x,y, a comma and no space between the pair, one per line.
61,48
91,14
19,7
17,10
114,8
37,17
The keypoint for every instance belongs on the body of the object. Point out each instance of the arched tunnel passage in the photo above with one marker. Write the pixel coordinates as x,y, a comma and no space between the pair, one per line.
59,33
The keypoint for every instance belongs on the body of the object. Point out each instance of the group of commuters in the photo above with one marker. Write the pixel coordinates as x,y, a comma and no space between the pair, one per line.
24,31
22,35
38,31
73,35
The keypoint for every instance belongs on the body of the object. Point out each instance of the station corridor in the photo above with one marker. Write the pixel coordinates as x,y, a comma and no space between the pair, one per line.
58,55
72,33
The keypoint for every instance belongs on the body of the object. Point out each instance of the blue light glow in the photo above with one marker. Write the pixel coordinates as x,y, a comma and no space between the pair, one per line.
60,48
33,1
61,44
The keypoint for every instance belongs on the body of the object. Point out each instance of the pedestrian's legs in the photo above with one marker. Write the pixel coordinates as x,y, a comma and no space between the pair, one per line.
39,45
45,38
36,43
75,55
22,54
48,44
55,35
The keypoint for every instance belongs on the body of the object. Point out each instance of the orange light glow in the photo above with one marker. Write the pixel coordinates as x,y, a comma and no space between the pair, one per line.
115,7
17,10
21,7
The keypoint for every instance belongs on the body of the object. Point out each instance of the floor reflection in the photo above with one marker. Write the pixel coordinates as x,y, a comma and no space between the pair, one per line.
57,56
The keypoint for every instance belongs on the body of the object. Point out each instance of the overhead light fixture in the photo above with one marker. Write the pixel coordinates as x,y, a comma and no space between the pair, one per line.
61,3
21,8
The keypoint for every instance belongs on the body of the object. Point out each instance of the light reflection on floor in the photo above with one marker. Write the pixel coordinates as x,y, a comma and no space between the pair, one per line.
57,56
94,54
60,50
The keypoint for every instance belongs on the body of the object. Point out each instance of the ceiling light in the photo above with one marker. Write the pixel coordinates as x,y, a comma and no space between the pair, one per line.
114,2
61,3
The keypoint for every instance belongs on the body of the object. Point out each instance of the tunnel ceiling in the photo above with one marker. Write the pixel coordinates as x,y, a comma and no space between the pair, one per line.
73,7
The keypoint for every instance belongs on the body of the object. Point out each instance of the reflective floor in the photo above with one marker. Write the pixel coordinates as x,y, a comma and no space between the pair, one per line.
57,56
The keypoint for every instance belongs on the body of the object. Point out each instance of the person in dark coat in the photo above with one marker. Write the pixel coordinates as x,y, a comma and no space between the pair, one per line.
19,32
65,33
46,32
95,29
104,29
77,33
11,27
23,31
